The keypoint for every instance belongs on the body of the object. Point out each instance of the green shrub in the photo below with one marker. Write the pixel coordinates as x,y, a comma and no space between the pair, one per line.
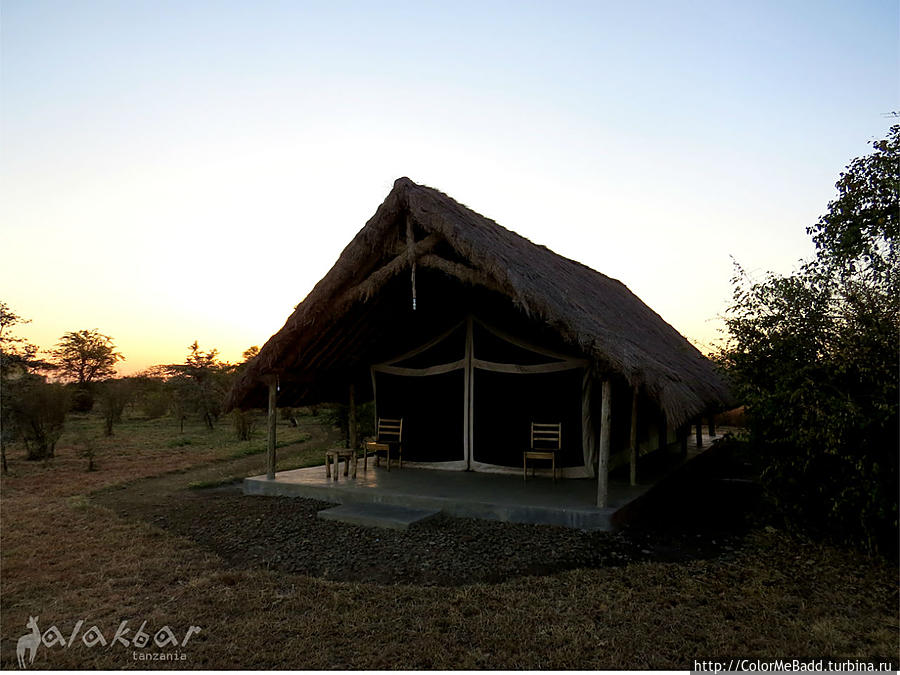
38,412
114,396
81,399
814,356
244,423
290,415
338,415
155,404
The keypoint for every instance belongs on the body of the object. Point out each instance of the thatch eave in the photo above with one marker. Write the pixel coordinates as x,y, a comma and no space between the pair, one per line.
594,315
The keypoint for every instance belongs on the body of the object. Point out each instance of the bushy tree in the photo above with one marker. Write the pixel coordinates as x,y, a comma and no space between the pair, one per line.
244,422
19,368
86,356
150,392
814,356
201,383
85,446
38,413
114,396
338,416
82,358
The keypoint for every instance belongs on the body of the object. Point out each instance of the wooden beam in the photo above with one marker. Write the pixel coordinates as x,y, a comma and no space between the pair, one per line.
699,435
351,423
605,435
465,274
632,439
321,341
365,289
712,426
270,437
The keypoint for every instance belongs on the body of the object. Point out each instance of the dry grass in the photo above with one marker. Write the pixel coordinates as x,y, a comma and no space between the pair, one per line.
65,558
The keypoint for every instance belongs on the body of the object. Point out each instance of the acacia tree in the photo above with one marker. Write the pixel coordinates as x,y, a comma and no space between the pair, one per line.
85,356
814,356
8,319
201,383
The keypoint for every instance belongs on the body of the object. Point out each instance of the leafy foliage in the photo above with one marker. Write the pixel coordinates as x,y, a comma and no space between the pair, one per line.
38,413
150,392
8,319
814,356
244,423
859,233
338,416
86,356
17,355
114,396
81,399
86,448
19,367
200,384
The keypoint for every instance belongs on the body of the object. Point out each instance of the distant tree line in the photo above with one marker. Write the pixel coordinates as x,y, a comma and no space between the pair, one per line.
78,375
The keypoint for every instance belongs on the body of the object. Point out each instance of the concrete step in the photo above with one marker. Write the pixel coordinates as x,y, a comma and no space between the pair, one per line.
377,515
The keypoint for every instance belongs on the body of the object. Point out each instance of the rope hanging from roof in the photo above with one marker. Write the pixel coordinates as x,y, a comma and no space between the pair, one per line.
411,253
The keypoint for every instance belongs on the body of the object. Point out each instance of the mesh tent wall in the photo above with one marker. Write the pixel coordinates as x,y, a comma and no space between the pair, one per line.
468,396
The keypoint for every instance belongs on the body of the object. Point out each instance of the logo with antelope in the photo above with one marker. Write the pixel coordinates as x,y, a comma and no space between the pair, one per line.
28,642
140,641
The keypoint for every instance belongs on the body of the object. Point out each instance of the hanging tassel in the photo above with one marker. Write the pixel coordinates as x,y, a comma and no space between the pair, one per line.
411,252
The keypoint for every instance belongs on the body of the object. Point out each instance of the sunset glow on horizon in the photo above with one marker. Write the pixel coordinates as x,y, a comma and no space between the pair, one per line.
174,172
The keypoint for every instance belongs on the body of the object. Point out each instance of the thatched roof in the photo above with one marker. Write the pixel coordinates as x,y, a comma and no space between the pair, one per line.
589,313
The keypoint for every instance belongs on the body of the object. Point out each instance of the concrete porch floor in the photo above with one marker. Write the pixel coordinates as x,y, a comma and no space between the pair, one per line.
505,497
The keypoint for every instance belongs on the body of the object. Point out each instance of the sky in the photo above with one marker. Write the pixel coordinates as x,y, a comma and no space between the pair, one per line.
180,171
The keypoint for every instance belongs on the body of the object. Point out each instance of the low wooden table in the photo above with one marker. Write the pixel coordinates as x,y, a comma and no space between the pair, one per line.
337,455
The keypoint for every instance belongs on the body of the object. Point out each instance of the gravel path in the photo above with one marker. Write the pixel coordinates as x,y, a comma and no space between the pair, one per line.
701,516
285,534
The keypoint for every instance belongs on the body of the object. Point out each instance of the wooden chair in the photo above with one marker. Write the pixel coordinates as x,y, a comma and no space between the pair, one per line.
546,443
388,440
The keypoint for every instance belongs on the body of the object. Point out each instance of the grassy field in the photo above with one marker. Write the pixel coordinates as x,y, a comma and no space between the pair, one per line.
67,558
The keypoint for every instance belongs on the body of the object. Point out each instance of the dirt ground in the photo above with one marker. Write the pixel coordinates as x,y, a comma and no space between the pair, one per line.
270,586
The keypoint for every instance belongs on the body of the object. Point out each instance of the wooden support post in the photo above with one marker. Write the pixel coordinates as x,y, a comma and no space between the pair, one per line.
603,459
351,420
663,433
633,437
699,436
270,439
712,426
